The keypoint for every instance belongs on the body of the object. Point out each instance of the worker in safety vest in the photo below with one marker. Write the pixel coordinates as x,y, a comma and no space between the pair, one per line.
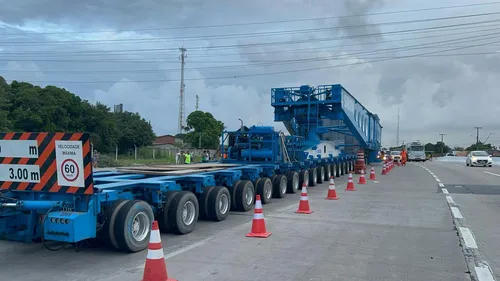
188,158
404,156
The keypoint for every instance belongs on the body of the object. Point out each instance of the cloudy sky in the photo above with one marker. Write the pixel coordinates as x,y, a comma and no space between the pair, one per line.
437,64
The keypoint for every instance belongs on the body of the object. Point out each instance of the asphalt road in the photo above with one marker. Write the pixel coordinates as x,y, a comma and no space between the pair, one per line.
398,228
475,193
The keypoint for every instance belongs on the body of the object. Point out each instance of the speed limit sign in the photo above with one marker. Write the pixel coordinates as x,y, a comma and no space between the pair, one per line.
70,170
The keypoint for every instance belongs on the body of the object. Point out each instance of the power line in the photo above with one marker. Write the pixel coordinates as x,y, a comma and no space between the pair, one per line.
272,33
272,73
413,31
273,22
159,60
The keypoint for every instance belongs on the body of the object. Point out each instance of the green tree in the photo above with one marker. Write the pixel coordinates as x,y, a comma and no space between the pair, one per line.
203,126
29,108
481,146
134,130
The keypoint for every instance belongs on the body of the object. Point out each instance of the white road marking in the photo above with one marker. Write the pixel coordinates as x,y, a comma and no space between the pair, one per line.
456,212
490,173
483,273
286,208
190,247
468,238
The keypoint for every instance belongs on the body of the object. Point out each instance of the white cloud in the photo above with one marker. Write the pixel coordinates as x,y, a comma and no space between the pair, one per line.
447,94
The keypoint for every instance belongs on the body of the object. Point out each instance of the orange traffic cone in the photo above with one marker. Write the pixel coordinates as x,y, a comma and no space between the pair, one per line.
258,223
332,193
372,174
384,169
362,179
304,207
350,183
155,268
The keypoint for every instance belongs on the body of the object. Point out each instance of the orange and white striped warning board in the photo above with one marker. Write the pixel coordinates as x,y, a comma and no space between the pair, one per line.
47,162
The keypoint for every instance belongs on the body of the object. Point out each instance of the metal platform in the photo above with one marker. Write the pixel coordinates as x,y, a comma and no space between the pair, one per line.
326,109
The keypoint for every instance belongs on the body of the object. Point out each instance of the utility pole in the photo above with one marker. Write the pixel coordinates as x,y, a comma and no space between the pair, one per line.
397,134
181,96
442,142
197,102
477,134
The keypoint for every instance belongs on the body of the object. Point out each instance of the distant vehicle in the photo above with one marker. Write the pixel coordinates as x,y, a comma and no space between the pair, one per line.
416,152
396,155
478,158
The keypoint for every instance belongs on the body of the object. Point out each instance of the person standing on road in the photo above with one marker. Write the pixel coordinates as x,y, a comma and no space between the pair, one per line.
178,158
187,158
403,156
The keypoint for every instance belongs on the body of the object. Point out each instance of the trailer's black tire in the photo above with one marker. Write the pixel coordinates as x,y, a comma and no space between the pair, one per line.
292,182
175,213
272,178
303,178
328,172
245,196
134,216
162,216
203,203
344,168
256,184
106,236
320,173
233,195
219,203
280,186
335,170
265,189
313,177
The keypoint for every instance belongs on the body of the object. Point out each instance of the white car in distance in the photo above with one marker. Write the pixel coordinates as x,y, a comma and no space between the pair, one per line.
478,158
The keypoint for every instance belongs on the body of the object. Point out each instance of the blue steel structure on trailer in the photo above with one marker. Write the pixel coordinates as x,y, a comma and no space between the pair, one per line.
291,157
328,112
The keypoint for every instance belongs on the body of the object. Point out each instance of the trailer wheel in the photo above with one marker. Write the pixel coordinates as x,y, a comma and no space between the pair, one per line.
245,196
265,189
328,172
280,186
107,234
313,177
219,203
183,212
292,181
233,195
344,168
256,184
320,173
133,226
303,178
163,221
203,202
335,171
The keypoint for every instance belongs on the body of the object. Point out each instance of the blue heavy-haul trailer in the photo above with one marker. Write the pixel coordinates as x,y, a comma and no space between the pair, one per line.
49,192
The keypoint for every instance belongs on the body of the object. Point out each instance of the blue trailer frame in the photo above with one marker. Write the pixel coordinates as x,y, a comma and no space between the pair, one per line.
116,208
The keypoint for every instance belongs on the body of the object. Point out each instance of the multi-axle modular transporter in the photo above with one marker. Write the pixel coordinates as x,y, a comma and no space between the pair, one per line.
49,192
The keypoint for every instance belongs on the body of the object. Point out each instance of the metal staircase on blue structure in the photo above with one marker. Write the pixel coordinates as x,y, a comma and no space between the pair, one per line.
328,112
